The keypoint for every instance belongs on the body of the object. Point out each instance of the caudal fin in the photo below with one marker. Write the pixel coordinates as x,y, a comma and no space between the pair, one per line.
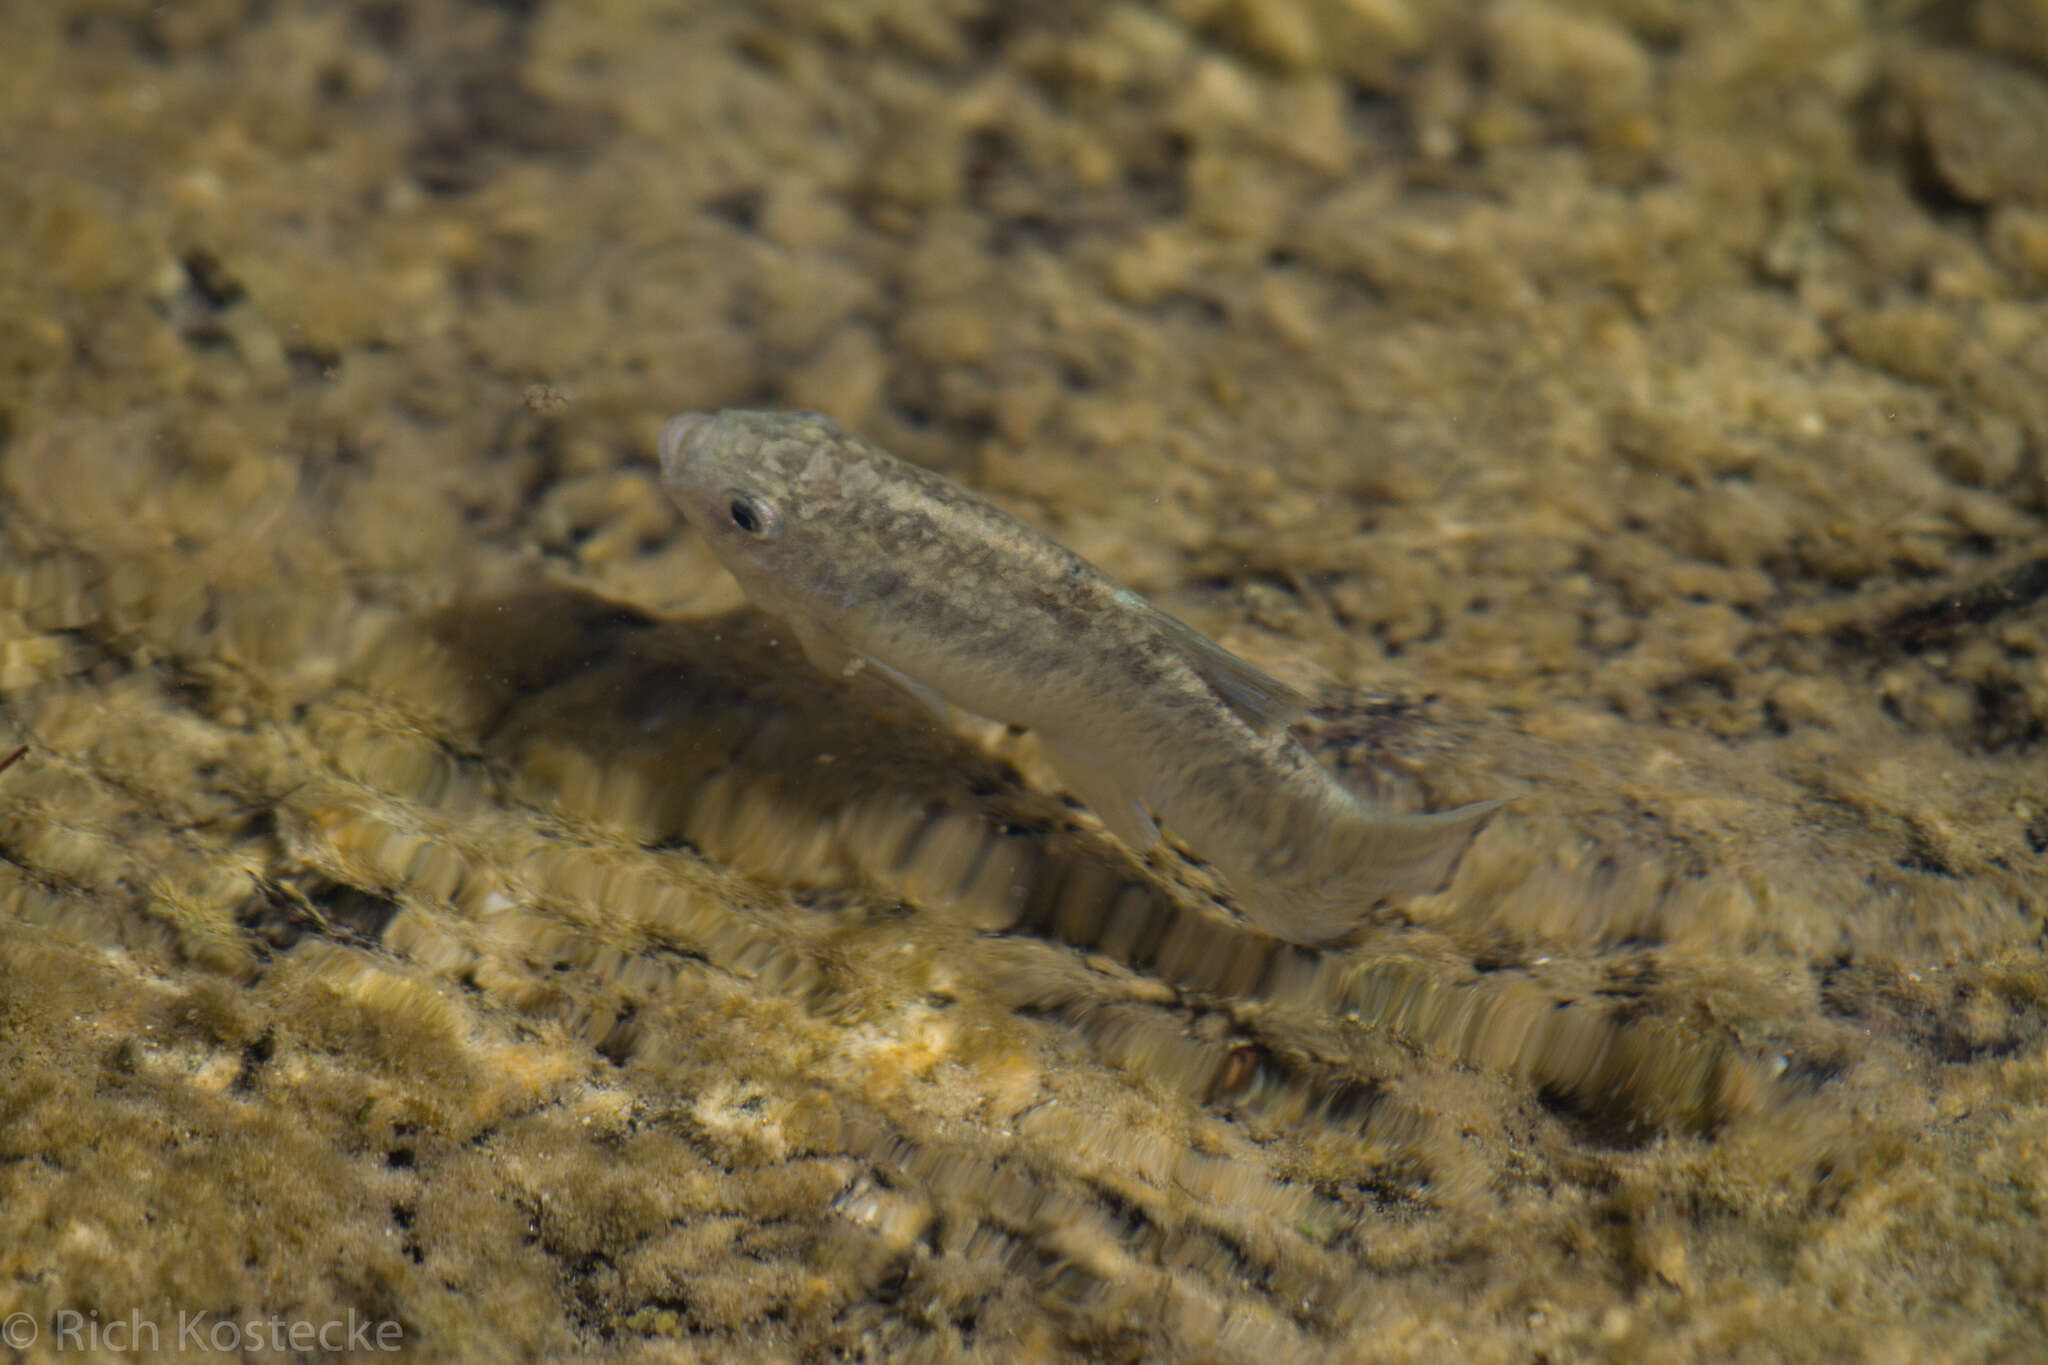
1321,890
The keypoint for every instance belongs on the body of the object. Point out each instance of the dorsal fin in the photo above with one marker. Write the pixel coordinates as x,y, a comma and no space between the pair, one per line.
1264,702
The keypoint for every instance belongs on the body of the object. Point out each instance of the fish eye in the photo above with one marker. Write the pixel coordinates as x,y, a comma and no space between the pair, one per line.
756,516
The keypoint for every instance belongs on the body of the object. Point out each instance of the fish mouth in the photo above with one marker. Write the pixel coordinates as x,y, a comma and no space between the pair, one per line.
675,443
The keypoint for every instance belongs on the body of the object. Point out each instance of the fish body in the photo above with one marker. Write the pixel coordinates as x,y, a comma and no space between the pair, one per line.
876,562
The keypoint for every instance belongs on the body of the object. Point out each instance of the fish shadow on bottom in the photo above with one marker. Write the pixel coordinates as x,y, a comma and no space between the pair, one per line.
718,737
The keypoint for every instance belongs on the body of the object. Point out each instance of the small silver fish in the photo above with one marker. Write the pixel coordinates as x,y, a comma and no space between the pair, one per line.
875,562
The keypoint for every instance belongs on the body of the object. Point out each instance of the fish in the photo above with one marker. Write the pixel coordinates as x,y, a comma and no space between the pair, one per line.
877,563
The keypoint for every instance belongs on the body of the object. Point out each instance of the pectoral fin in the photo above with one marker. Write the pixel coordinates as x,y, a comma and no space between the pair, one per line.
1105,793
824,651
1264,703
932,701
828,655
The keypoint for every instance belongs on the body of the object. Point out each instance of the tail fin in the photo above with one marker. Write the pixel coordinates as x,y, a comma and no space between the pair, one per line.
1319,890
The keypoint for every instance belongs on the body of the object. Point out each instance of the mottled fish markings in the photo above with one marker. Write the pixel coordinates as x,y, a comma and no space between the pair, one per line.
876,562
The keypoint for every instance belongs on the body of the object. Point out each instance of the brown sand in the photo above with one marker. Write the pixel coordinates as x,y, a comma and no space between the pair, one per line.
429,894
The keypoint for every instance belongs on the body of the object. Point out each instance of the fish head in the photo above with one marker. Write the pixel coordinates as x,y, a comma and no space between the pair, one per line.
765,490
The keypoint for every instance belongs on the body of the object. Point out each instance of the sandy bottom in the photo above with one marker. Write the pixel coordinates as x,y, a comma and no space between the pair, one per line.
430,896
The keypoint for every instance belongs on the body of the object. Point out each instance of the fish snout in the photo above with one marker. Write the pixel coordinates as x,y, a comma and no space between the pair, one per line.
674,444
